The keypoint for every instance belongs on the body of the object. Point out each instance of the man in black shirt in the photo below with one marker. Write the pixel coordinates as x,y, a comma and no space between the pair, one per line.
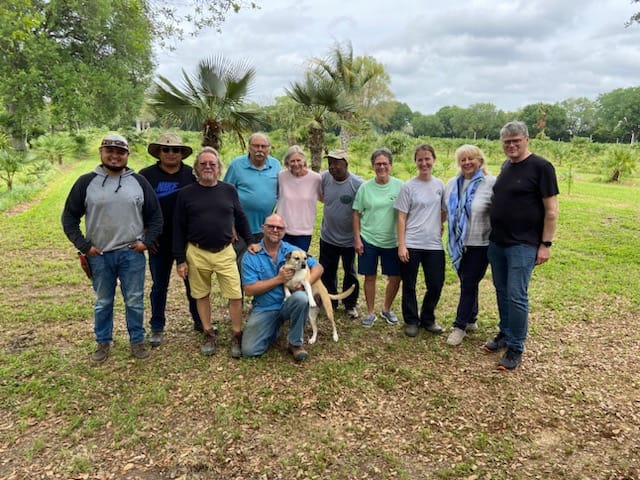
524,214
205,216
167,176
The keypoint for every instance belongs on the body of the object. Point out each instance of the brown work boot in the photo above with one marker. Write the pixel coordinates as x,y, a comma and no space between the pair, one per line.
236,345
139,351
210,343
299,353
101,353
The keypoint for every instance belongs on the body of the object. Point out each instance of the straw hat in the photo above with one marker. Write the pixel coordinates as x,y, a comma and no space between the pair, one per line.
168,140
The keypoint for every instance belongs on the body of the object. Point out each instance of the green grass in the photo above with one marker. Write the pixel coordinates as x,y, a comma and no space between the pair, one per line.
375,403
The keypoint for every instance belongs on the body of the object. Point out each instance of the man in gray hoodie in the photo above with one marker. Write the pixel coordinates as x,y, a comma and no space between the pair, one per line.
123,219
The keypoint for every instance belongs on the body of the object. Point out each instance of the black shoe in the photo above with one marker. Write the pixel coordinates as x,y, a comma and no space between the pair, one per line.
498,343
510,360
411,330
155,339
433,328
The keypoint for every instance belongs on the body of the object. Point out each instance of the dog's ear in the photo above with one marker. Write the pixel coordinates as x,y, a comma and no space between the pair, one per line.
288,256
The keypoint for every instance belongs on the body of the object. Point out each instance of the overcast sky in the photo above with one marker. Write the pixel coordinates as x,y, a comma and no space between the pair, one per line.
452,52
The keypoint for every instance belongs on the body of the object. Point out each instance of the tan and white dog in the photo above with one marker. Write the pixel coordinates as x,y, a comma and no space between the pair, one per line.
297,261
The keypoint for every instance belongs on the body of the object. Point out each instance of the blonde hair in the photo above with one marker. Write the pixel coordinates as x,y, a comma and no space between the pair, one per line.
290,151
471,151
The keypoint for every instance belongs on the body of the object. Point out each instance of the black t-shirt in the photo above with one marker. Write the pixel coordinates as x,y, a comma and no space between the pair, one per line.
206,216
517,211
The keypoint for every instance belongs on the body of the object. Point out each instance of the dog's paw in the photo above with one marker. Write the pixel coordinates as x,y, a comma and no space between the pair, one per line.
335,336
312,340
312,302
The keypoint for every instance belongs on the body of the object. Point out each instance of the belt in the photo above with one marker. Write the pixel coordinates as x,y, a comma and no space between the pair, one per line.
212,250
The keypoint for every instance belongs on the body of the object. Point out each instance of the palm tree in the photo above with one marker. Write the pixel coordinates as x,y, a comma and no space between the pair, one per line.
317,97
352,75
213,100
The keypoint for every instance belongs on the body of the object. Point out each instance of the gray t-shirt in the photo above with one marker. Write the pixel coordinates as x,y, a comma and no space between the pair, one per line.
337,216
423,202
479,226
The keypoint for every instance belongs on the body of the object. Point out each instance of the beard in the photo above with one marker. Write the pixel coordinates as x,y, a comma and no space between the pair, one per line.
114,168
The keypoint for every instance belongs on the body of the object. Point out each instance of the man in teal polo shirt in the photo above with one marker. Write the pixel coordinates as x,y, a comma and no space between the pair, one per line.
255,176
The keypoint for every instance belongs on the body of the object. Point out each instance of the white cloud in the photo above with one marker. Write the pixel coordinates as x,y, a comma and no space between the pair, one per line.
459,52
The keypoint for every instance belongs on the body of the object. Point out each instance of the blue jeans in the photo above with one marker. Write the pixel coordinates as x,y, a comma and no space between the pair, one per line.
160,266
432,262
129,266
263,327
511,268
473,266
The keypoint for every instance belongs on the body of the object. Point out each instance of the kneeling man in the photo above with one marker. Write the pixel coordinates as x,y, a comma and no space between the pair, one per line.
263,277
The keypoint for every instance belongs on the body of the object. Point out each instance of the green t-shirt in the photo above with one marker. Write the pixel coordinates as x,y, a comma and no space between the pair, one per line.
378,220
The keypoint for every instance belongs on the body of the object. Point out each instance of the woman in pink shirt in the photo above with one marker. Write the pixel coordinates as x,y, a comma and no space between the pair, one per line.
299,191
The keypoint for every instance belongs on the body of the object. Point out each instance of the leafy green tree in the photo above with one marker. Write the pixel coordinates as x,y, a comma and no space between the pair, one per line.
635,18
426,125
213,100
87,63
446,116
582,116
545,121
619,112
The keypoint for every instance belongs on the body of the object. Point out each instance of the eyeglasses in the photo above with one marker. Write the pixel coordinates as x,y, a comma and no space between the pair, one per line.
208,164
276,228
259,145
515,141
171,149
381,164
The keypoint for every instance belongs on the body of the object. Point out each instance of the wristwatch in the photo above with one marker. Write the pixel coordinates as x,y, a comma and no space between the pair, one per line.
547,244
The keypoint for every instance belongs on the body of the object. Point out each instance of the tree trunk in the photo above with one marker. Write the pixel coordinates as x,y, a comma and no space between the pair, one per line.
316,145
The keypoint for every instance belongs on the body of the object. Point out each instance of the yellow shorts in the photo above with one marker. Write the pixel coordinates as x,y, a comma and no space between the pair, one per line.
203,264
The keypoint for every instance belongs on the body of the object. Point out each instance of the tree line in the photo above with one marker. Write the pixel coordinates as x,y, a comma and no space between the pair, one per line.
68,65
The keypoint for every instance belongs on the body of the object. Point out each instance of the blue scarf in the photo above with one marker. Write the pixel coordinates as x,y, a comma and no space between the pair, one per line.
459,211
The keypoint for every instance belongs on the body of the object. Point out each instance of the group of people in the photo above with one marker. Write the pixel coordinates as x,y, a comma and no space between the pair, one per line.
227,226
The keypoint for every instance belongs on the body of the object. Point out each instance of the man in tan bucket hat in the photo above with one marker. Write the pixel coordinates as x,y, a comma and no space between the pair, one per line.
167,177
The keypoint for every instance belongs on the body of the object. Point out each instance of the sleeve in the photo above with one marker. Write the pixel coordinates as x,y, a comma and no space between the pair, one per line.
151,212
402,203
357,202
249,269
548,181
74,210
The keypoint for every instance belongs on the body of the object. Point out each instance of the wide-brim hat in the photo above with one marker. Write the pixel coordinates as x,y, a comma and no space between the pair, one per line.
168,140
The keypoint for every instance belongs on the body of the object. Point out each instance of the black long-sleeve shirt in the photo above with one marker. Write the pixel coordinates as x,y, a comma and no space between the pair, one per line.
206,216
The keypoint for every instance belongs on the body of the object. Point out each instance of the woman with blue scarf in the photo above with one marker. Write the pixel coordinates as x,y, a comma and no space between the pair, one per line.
467,200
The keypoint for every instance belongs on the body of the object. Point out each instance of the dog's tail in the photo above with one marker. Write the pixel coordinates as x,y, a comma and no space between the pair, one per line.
343,295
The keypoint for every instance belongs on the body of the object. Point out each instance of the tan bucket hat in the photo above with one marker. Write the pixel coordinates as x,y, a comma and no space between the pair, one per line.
169,140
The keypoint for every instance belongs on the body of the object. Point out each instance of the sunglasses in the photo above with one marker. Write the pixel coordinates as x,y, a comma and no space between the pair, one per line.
171,149
276,228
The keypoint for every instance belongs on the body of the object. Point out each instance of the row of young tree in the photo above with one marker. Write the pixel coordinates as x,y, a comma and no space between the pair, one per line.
73,64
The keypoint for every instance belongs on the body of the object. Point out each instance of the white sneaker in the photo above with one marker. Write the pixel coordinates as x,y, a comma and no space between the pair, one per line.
472,327
456,336
352,313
